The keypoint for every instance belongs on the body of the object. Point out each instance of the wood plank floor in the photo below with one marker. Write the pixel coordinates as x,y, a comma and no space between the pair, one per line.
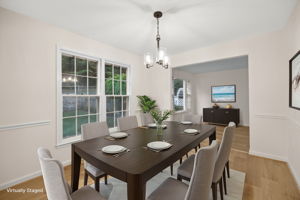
266,179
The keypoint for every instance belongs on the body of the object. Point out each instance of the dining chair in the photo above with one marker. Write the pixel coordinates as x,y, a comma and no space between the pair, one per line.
186,168
146,119
56,186
90,131
195,119
227,163
200,183
126,123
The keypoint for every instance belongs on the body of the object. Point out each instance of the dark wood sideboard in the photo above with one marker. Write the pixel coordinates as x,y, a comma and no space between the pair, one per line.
221,115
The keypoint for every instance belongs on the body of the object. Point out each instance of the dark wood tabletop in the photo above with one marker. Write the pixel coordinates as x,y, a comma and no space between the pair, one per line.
139,165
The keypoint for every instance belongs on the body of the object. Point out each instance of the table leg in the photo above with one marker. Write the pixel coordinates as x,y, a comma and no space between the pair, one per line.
136,189
212,137
75,170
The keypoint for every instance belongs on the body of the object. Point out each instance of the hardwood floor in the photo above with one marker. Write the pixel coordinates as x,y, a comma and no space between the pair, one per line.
266,179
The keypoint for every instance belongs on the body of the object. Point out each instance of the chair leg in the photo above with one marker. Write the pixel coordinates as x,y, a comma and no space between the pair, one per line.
199,145
97,185
228,169
224,181
105,179
180,161
221,188
85,178
179,178
214,191
171,167
187,155
195,149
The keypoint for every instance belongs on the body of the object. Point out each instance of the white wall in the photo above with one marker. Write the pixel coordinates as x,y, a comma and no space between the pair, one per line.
28,89
238,77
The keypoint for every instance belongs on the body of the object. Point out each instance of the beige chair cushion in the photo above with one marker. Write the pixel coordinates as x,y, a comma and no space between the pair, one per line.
186,168
170,189
86,193
94,170
126,123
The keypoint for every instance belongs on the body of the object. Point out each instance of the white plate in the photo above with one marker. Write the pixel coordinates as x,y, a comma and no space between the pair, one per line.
159,145
153,125
186,122
190,131
112,149
119,135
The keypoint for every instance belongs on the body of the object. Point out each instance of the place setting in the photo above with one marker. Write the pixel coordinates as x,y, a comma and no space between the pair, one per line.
116,136
191,131
114,150
158,146
154,125
186,122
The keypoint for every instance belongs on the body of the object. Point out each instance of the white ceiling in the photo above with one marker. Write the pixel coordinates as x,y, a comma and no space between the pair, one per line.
130,25
216,65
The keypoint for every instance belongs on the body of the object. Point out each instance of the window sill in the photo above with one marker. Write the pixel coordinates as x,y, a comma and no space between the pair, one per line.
180,111
68,141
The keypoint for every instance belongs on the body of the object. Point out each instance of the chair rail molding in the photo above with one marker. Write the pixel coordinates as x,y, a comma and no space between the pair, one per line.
271,116
24,125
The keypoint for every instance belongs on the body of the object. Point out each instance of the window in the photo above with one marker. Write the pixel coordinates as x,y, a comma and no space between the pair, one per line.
86,85
117,99
179,94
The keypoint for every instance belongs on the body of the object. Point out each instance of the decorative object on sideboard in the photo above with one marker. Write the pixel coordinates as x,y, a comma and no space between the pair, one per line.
294,79
228,106
215,106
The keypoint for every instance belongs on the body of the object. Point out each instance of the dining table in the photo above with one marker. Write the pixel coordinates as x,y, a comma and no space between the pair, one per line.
137,166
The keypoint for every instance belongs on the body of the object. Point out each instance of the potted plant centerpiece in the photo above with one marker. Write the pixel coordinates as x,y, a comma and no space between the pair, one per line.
159,117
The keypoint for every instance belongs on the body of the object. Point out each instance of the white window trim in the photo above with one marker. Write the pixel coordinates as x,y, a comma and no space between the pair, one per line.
128,88
101,91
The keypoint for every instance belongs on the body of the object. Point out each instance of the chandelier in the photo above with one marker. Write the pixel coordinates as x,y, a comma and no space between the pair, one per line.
161,57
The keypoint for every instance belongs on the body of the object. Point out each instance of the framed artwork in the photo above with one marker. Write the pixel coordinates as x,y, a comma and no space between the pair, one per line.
223,94
294,99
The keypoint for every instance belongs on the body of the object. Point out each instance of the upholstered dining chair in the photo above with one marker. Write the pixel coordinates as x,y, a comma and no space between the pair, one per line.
200,183
56,186
185,170
195,119
227,164
146,119
90,131
126,123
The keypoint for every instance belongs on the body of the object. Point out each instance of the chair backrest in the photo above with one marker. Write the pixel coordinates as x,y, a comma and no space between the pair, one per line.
224,152
146,119
200,184
53,174
93,130
195,119
126,123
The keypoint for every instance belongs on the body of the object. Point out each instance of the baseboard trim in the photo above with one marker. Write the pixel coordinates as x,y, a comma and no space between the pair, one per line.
293,171
27,177
265,155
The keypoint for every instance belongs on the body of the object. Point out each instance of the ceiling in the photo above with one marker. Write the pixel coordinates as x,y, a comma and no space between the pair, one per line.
130,25
216,65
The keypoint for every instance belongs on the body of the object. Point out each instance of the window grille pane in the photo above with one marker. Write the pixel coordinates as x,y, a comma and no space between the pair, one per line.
94,105
82,105
81,85
81,67
93,68
68,64
124,87
92,85
68,84
108,71
117,73
110,104
124,74
93,118
80,121
69,128
108,86
69,106
110,120
117,87
118,103
117,115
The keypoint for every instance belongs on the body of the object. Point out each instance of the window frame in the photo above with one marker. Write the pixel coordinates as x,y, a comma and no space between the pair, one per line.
184,95
100,91
128,89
